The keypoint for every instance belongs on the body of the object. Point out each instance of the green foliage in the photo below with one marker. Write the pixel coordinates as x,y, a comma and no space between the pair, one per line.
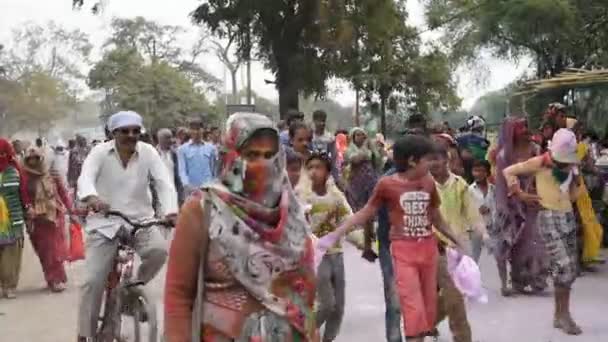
288,38
144,69
34,102
49,49
158,91
388,62
40,75
558,33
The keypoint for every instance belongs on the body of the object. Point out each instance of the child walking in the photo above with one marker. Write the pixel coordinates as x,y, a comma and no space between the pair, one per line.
327,208
557,185
459,207
413,204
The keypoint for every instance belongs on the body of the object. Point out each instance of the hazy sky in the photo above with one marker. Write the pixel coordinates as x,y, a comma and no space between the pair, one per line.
15,12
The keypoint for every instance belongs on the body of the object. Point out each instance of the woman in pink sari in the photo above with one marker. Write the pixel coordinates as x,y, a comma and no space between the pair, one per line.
50,202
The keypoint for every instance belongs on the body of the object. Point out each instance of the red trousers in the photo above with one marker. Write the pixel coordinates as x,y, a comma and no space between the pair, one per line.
48,240
415,265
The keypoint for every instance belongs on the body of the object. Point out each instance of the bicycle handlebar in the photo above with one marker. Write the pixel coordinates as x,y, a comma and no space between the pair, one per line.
148,224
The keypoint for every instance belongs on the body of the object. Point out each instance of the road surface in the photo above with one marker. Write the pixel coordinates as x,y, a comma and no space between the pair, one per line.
40,316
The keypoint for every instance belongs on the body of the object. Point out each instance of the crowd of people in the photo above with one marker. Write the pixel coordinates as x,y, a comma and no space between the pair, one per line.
262,211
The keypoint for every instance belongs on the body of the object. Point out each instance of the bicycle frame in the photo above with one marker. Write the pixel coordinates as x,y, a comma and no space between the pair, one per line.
117,291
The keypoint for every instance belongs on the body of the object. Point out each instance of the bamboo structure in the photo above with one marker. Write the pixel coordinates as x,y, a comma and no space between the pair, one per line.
571,78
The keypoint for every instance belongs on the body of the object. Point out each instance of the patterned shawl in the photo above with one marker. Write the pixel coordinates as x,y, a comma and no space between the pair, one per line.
266,246
42,187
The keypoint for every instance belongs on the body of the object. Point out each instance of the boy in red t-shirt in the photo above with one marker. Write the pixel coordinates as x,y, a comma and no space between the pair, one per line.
413,203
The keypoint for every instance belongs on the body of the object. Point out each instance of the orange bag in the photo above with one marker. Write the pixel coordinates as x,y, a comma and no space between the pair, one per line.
76,243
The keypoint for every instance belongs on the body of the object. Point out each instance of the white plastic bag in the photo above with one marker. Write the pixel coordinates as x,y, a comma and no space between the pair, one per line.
466,276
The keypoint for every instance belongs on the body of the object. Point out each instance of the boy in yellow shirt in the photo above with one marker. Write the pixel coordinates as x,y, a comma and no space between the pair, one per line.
557,184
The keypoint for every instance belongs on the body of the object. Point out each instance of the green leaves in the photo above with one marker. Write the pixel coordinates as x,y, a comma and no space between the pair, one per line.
558,33
41,75
145,70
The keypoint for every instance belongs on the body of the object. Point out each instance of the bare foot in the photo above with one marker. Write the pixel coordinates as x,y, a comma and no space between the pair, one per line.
567,325
10,293
506,292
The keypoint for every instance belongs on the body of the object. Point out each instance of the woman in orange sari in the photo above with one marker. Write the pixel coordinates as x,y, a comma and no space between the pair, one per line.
242,258
50,203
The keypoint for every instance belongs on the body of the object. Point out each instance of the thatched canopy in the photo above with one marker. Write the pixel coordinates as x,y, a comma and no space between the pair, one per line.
569,79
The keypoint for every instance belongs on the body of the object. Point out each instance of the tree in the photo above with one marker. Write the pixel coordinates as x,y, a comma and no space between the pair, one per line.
162,93
224,54
387,63
49,49
42,70
35,102
557,33
161,43
286,35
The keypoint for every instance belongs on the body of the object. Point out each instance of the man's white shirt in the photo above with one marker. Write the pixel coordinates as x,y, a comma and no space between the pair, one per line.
125,189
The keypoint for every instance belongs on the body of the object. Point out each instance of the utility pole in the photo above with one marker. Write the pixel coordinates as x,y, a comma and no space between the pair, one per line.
249,63
357,107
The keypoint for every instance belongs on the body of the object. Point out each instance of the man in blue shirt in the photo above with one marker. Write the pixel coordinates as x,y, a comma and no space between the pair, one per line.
196,159
293,116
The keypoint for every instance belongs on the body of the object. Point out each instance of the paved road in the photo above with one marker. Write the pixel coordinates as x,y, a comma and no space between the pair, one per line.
39,316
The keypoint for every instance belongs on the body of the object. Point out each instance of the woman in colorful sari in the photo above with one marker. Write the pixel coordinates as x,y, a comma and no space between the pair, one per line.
50,203
14,202
515,236
242,256
592,232
363,166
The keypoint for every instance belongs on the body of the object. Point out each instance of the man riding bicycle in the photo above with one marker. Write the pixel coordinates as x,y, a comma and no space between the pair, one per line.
116,176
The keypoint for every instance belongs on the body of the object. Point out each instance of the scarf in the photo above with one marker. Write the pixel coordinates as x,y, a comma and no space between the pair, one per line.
353,149
266,242
563,177
11,160
42,188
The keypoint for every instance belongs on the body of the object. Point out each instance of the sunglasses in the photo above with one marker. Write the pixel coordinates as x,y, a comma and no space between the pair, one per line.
129,131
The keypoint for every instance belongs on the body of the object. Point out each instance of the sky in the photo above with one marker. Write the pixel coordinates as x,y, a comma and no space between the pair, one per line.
493,73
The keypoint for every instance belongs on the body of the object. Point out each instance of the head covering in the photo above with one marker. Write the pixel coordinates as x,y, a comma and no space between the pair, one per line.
10,160
563,147
124,119
475,122
40,168
341,142
263,241
505,157
240,127
42,186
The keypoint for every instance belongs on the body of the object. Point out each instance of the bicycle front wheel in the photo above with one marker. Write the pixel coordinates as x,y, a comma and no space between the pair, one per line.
142,322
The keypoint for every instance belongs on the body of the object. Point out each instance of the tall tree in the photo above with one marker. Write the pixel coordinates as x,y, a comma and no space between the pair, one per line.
35,102
50,49
388,63
42,74
231,61
162,93
156,43
557,33
286,35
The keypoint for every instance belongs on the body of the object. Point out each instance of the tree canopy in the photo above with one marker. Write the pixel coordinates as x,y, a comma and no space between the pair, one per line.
557,33
41,75
145,69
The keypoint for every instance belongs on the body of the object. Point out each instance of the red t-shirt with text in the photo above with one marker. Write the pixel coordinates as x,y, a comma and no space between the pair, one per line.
409,204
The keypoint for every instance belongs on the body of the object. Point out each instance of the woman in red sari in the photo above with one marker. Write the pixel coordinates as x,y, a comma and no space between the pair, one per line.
50,202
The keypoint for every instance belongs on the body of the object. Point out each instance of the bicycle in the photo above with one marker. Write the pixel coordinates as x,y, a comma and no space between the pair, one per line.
123,296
